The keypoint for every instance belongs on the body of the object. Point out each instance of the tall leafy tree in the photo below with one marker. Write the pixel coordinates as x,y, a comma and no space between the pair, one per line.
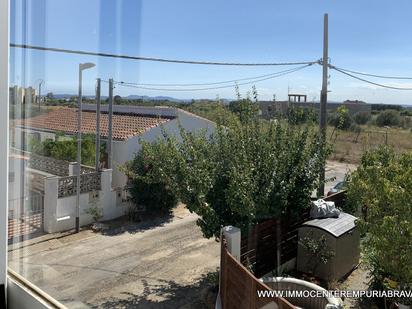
242,174
380,193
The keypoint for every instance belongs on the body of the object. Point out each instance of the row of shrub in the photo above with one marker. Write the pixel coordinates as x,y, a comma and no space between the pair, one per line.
390,118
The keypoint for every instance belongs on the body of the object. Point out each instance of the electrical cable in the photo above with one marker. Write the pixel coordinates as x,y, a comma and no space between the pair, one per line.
81,52
374,75
206,84
282,73
367,81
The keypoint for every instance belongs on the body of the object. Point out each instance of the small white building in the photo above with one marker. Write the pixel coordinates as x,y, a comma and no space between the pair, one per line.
130,124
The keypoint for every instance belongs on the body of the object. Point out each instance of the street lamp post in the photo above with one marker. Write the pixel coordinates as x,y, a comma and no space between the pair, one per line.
40,84
82,66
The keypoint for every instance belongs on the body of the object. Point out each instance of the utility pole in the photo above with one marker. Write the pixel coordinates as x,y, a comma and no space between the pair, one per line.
98,89
323,102
110,134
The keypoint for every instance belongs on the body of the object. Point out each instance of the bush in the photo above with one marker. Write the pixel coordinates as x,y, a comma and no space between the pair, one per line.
66,148
388,118
341,120
299,115
145,191
355,128
379,191
362,118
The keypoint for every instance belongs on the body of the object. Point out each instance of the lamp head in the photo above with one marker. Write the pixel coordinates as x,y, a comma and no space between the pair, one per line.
86,65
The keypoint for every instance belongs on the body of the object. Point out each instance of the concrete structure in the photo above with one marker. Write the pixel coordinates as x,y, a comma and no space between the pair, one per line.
16,95
60,213
271,109
130,125
21,95
293,97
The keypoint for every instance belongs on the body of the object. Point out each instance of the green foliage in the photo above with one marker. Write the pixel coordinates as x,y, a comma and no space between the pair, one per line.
299,115
388,118
242,174
214,111
65,148
382,107
245,108
95,211
362,118
318,250
147,191
380,192
341,120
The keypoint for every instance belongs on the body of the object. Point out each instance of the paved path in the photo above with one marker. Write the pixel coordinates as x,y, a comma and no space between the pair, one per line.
160,267
338,170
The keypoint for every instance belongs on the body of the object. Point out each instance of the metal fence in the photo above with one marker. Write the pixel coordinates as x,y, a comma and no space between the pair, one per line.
25,215
67,186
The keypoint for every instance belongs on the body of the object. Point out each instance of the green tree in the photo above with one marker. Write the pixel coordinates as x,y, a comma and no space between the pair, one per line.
242,174
145,190
299,115
246,109
379,191
388,118
65,148
362,117
341,120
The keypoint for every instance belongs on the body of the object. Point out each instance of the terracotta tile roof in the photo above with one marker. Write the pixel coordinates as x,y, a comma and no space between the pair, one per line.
65,120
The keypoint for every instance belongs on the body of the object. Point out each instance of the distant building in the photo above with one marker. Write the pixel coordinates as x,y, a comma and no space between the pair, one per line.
20,95
29,95
16,95
293,97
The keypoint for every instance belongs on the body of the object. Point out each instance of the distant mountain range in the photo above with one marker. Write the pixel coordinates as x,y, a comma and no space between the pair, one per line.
156,98
137,97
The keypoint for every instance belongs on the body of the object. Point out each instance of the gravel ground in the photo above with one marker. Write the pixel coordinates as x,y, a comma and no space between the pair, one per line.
158,265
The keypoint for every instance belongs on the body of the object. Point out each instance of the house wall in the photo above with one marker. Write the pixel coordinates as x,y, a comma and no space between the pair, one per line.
56,209
24,135
125,151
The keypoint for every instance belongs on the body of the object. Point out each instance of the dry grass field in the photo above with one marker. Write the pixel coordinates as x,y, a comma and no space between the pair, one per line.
349,146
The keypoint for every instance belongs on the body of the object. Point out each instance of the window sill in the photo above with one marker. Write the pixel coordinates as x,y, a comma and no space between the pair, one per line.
23,294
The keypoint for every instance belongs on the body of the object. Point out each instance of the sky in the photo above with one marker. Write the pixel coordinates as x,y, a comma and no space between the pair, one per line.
368,36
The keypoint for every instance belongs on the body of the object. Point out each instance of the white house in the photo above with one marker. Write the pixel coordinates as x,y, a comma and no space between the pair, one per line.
130,124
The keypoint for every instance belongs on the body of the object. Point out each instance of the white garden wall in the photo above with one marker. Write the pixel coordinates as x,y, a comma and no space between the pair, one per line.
60,213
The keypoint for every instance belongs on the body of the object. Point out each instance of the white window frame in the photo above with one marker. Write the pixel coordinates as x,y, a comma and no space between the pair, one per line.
4,141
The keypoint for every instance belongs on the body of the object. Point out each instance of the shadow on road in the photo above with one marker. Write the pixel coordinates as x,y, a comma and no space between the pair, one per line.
170,294
145,222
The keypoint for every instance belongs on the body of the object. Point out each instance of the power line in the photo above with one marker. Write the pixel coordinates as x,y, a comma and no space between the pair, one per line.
368,81
210,83
135,85
256,78
373,75
81,52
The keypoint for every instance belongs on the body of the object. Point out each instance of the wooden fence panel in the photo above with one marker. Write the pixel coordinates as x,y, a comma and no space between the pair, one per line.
238,286
259,246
